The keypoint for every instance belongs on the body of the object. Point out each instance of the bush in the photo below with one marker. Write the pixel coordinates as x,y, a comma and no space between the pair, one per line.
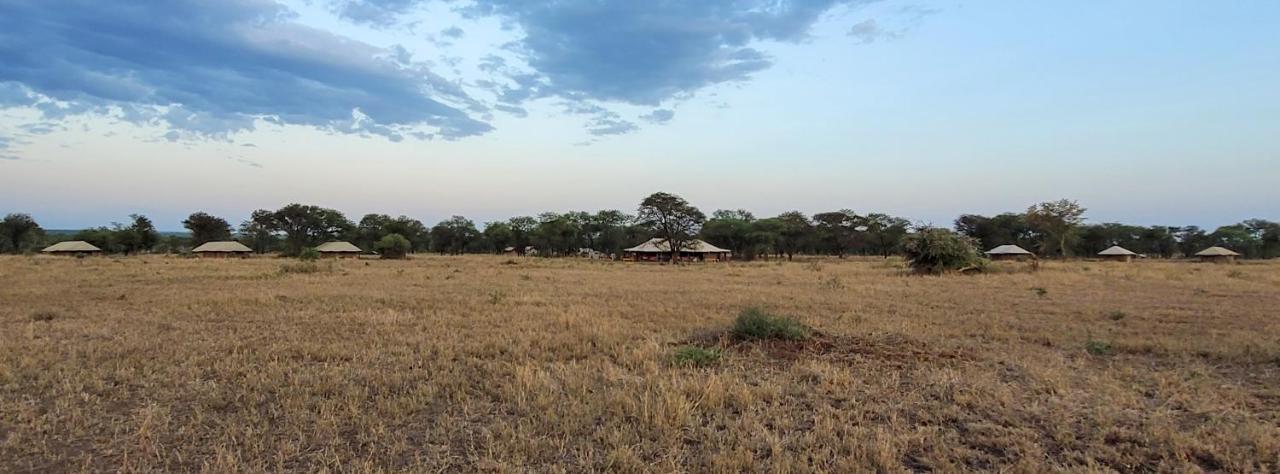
309,254
937,251
755,323
694,356
394,246
304,267
1098,348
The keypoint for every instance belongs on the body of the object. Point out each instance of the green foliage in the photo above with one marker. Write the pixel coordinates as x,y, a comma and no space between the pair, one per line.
671,218
393,246
454,235
1098,348
1056,223
309,254
755,323
694,356
305,226
206,228
936,251
19,233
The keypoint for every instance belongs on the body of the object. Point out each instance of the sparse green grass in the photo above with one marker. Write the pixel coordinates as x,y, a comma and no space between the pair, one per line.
755,323
695,356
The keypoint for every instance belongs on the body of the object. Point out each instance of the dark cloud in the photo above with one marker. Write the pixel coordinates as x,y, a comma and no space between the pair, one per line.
610,126
649,52
452,32
212,68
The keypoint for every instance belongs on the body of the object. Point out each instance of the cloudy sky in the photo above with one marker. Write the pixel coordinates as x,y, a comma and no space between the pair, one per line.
1149,112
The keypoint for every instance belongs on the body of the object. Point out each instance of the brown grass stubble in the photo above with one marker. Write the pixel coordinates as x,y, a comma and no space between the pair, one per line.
445,363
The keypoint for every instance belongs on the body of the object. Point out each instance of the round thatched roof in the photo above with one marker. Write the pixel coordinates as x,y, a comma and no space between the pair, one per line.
1008,250
1116,250
1216,251
657,245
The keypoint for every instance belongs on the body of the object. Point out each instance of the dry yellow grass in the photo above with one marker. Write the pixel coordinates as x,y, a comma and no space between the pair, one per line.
471,363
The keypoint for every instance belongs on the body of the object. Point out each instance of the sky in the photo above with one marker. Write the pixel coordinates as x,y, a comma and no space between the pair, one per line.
1146,112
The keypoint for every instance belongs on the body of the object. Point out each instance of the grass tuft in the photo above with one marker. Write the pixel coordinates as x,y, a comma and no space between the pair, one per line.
1098,348
694,356
755,323
44,316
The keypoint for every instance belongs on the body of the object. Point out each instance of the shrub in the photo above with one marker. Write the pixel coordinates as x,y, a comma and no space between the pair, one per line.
937,251
303,267
1116,315
393,246
309,254
694,356
755,323
1098,348
44,316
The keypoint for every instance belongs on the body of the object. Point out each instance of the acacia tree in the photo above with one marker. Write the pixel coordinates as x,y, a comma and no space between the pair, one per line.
795,232
258,231
1056,222
307,226
731,230
673,219
454,235
139,236
884,232
18,231
207,228
836,230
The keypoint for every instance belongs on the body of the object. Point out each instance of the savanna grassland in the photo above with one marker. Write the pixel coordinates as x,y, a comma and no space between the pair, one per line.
496,364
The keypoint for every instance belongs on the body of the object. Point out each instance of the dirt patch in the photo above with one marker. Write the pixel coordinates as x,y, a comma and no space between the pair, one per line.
890,348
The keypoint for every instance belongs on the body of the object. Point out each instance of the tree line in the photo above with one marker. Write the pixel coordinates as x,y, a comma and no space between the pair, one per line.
1051,229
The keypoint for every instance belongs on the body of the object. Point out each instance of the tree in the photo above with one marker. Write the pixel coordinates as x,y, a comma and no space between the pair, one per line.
393,246
991,232
836,231
673,219
1055,222
522,228
557,234
605,231
884,232
207,228
140,236
933,250
731,230
794,233
258,231
308,226
19,232
454,236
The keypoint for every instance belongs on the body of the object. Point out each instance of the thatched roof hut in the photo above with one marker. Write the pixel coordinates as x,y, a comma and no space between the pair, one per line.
228,248
1217,254
657,249
337,248
72,247
1118,254
1009,252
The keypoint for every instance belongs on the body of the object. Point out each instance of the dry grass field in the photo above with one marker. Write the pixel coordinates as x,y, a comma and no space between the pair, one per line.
491,364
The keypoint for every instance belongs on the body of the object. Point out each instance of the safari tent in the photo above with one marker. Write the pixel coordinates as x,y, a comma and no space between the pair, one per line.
1217,255
1009,252
339,249
72,247
659,250
1117,254
223,249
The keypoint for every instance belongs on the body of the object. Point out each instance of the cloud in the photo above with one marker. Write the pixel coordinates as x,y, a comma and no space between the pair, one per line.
649,52
659,116
868,31
4,149
215,68
610,126
910,16
452,32
381,13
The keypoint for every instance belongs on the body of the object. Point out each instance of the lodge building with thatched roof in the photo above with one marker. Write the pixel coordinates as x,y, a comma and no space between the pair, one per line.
338,249
1217,254
1009,252
73,248
1117,253
659,250
222,249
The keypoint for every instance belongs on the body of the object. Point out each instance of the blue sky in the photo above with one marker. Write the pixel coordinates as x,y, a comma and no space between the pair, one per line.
1148,112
